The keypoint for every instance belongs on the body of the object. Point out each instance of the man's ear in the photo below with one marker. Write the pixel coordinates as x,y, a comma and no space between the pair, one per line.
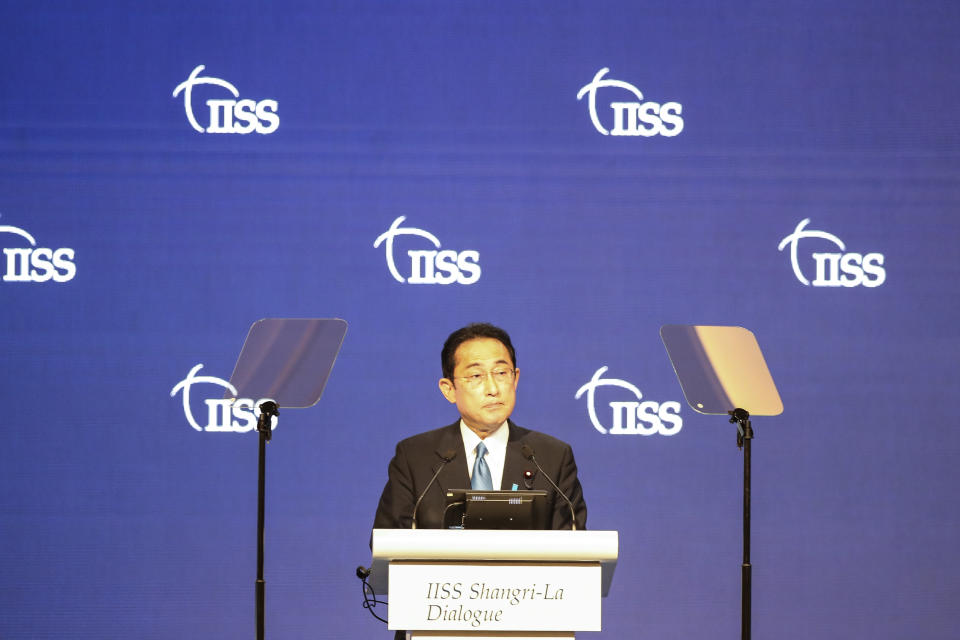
447,389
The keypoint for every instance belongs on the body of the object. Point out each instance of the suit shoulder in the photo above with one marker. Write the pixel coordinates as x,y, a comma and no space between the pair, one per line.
430,438
538,438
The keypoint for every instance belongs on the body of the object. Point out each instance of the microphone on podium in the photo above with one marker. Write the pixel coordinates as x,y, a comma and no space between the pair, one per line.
447,456
527,452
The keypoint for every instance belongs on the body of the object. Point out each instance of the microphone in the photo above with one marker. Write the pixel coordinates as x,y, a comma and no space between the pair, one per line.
527,452
447,456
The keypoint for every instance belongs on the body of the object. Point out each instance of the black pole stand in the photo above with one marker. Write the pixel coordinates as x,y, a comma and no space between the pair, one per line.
719,367
744,437
290,361
267,411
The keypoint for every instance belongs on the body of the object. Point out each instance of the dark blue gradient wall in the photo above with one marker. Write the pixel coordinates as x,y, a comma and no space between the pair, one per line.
674,190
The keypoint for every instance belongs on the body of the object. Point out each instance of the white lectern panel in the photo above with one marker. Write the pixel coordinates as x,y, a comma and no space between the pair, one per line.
494,596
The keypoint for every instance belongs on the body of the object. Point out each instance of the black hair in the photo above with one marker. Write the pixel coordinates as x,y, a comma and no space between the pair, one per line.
471,332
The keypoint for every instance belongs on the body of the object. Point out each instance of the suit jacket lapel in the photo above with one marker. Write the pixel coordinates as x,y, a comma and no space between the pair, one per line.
514,464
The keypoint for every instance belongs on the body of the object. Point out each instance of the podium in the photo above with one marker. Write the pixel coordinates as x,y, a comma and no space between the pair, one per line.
477,584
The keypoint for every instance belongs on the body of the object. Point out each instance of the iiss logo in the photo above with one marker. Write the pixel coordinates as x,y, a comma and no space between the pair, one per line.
834,268
235,415
635,416
228,115
429,266
637,117
33,263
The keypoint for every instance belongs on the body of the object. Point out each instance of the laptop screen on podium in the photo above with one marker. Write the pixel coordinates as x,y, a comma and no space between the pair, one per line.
477,509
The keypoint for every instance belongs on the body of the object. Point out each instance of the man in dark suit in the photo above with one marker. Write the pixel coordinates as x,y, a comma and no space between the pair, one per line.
480,376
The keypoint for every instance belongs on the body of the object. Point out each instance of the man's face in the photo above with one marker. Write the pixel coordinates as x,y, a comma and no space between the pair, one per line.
486,401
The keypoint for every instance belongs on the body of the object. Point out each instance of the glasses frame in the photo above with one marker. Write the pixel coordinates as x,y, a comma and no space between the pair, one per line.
501,378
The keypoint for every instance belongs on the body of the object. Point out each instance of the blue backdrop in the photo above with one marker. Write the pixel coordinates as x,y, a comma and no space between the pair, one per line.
790,167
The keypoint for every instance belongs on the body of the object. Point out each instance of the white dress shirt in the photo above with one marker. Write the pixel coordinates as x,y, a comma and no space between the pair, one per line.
496,444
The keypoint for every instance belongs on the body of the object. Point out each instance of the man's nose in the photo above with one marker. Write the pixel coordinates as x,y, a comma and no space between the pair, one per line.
490,386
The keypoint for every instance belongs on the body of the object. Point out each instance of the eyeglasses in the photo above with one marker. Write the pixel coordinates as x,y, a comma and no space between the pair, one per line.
500,376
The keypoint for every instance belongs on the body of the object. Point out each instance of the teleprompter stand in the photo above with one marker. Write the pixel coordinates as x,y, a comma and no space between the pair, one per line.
722,370
285,362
